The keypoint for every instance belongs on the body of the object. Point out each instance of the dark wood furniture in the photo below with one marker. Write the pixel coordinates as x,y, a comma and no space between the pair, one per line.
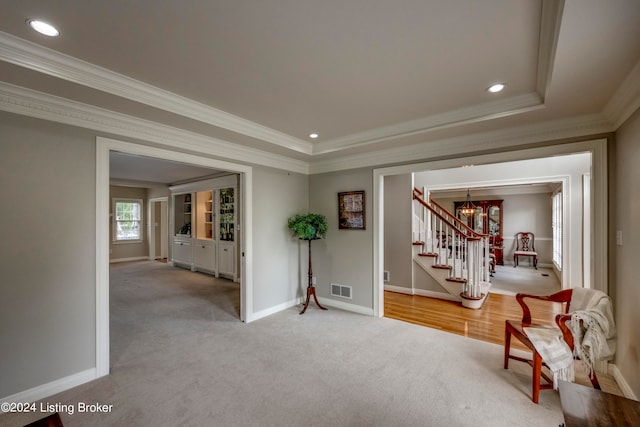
525,247
496,248
52,420
487,219
585,407
311,289
516,329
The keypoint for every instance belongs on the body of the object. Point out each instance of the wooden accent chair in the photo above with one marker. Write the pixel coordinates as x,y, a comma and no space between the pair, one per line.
525,247
516,329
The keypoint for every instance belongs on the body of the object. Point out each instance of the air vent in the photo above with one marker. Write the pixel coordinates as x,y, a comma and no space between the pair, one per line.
341,291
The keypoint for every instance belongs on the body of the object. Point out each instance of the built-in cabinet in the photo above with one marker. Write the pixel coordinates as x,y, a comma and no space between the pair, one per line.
204,216
486,219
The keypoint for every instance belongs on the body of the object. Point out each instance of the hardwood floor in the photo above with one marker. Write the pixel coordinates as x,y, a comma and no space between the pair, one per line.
485,324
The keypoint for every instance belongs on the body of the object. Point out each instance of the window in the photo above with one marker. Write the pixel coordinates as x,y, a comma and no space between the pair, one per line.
127,220
556,224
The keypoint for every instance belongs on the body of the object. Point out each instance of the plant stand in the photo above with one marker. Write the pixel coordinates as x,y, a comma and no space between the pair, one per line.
311,290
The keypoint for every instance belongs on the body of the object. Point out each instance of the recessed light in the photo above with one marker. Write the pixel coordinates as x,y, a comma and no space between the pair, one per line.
43,27
313,135
494,88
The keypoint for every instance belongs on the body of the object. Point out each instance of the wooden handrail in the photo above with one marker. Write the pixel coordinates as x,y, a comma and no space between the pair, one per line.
439,215
470,231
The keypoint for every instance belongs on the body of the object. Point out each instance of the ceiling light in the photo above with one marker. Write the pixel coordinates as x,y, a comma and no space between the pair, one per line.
313,135
496,87
43,28
467,208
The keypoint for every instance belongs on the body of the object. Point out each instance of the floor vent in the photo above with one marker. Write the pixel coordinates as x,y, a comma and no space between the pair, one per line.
340,291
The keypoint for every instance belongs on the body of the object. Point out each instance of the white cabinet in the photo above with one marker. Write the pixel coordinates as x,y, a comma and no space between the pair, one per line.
204,256
182,251
226,260
204,226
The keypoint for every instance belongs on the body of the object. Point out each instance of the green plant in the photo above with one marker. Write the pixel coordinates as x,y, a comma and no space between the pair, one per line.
308,227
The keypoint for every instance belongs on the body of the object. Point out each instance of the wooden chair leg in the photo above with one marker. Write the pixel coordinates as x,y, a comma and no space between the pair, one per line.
594,380
537,372
507,347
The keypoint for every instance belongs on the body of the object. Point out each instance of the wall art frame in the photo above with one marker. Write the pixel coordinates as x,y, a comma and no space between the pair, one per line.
352,210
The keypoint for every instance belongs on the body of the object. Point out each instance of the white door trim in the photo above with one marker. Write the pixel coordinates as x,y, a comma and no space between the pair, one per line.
103,147
599,196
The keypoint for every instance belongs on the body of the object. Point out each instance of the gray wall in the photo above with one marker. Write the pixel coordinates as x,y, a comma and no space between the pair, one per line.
398,251
277,256
344,257
625,287
47,262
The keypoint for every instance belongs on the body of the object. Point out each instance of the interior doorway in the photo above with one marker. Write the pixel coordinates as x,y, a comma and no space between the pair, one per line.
105,146
598,274
158,228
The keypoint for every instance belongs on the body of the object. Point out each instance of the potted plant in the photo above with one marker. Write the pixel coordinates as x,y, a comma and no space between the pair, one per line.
309,227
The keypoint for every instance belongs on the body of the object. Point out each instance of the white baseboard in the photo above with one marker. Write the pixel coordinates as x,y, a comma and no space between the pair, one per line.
622,382
136,258
399,289
271,310
54,387
346,306
422,293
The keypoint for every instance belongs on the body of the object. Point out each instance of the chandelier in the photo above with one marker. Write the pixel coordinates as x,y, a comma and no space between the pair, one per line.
467,208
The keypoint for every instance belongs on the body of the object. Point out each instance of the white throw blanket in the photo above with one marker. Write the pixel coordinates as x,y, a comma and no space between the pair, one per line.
592,325
593,330
554,350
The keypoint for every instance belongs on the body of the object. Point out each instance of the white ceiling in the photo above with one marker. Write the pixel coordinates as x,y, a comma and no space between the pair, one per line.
366,75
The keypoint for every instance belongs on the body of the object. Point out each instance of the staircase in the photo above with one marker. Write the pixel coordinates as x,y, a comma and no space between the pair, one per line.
453,254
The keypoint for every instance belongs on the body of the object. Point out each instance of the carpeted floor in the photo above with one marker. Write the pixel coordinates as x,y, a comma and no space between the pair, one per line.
508,280
181,357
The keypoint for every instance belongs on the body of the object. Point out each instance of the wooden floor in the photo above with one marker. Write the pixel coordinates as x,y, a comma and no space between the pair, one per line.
485,324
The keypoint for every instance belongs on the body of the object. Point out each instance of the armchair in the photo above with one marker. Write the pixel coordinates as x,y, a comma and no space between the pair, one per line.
517,329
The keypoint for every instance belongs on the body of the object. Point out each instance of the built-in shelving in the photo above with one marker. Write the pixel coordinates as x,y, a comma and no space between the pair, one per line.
204,215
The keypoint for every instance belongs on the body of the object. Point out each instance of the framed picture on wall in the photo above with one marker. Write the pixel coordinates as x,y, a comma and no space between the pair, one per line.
351,210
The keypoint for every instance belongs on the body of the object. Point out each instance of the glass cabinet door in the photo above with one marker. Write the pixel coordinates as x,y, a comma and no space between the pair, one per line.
227,214
182,211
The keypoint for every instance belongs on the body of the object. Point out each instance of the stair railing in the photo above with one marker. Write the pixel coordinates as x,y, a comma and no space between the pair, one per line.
458,248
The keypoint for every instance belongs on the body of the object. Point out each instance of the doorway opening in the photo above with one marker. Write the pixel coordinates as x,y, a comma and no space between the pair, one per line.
595,233
104,147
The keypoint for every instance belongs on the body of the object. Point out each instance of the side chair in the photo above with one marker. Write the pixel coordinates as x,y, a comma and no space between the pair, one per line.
525,247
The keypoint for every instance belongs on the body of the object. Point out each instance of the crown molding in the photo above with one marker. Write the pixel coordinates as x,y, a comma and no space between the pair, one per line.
550,21
625,100
31,103
39,58
585,125
487,111
33,56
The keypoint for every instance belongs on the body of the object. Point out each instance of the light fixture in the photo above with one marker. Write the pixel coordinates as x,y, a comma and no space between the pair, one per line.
43,27
467,208
495,88
313,135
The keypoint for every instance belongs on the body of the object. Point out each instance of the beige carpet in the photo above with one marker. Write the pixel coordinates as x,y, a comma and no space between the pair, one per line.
508,280
180,357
